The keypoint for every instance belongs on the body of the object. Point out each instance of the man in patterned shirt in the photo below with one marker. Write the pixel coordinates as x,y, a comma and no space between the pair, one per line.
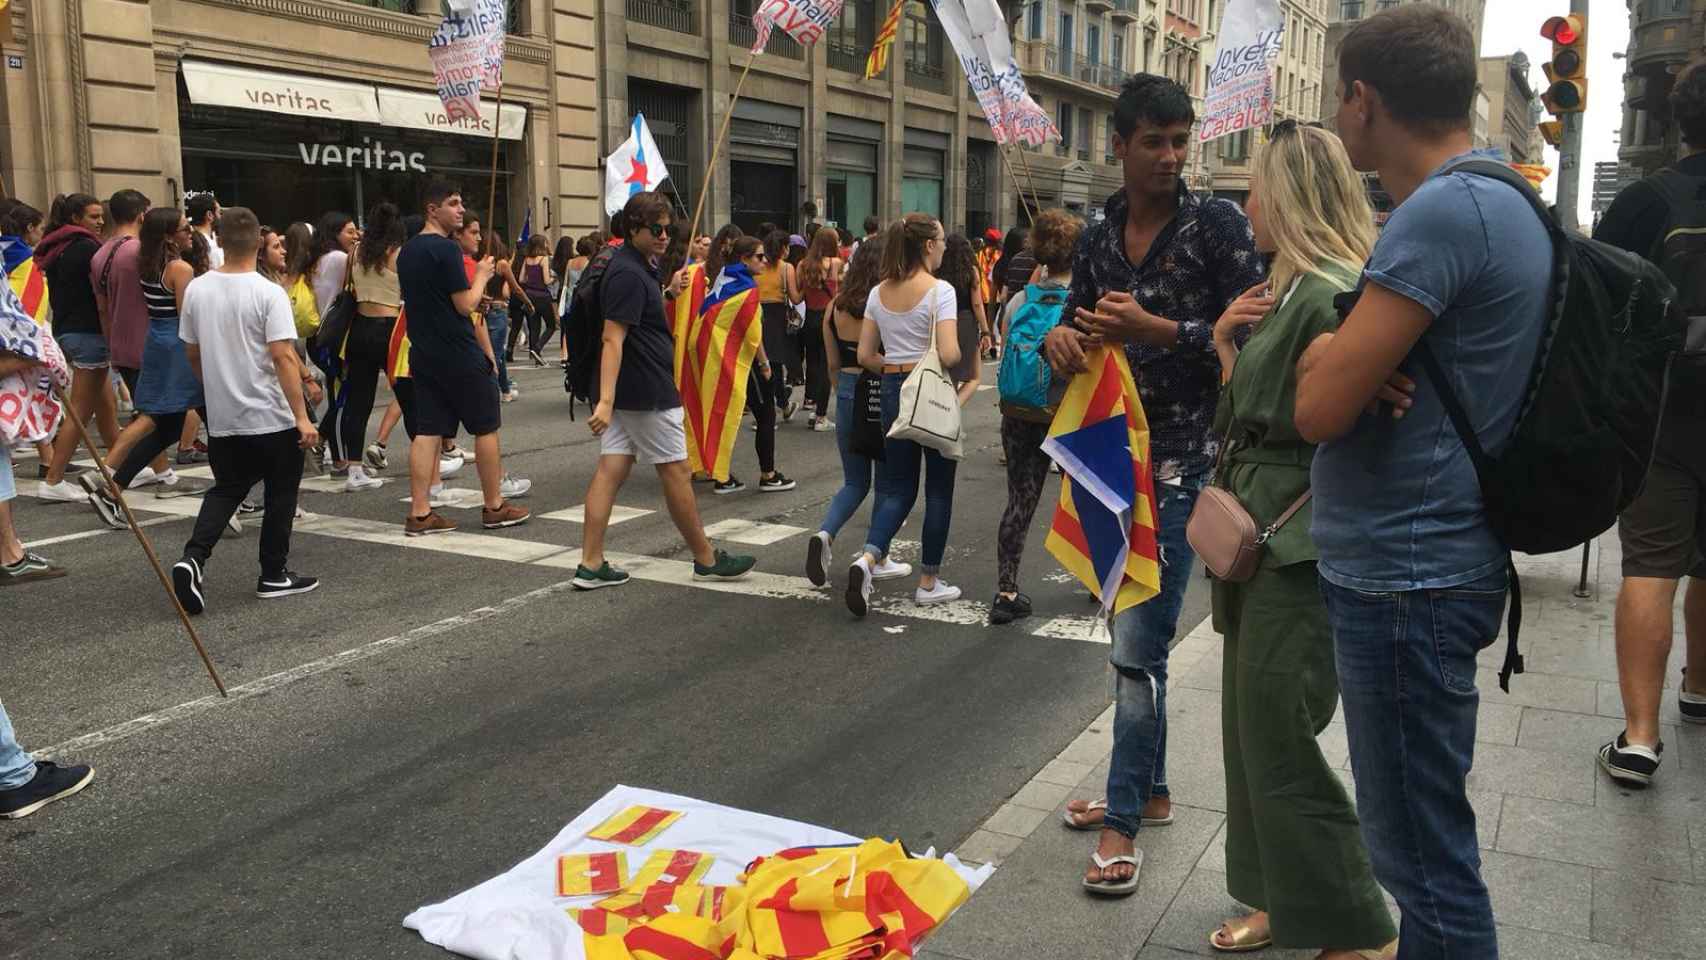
1154,276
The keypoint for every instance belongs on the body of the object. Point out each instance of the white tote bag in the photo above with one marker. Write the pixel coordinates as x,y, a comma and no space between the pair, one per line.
930,406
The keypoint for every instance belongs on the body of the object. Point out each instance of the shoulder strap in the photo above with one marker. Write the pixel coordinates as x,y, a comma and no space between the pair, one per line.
107,268
1290,512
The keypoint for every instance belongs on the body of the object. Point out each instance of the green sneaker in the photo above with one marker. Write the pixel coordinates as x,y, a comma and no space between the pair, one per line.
724,567
605,576
30,567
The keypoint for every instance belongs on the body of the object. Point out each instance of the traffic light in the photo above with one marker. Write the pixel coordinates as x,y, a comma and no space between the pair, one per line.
1552,131
1566,75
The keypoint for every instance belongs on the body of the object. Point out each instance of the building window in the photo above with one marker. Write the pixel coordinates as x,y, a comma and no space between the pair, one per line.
1063,119
1093,43
1036,18
1084,129
1350,9
1065,41
923,36
1116,49
1108,140
1236,147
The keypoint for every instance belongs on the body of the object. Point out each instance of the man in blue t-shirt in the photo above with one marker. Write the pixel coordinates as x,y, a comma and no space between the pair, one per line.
1413,576
452,363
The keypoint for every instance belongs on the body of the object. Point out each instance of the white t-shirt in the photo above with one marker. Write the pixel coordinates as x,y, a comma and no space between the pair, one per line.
906,334
328,276
215,253
233,317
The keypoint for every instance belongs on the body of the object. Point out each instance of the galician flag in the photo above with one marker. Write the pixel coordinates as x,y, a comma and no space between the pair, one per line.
717,330
1105,528
636,166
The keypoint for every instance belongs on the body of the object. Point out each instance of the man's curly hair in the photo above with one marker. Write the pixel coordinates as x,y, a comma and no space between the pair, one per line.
1688,104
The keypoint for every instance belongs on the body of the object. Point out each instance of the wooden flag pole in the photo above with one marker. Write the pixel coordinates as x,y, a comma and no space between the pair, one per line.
147,548
492,194
717,147
1026,204
1031,179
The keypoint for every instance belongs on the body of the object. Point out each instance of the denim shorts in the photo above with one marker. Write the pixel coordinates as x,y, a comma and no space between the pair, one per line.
85,351
8,486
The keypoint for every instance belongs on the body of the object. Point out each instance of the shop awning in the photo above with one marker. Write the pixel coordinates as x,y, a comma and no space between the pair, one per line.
223,85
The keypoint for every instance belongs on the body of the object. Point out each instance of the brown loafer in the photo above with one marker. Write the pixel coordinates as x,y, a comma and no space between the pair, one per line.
506,515
433,522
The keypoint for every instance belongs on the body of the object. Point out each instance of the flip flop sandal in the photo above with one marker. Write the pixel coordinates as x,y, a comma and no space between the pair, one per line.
1116,888
1069,818
1241,935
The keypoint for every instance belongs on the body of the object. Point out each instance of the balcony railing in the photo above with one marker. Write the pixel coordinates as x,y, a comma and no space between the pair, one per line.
1063,149
1100,74
743,34
850,59
677,15
1084,153
1050,59
1125,9
926,76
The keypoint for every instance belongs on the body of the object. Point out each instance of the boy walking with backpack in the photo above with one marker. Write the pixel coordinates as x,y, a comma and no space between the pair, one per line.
638,414
1663,532
1412,571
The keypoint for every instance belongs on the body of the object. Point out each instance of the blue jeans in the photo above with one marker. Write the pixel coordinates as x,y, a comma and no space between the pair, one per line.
1142,638
17,767
497,330
855,469
1406,666
897,489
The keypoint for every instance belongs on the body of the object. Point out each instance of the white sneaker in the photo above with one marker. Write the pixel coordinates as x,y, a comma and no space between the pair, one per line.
374,456
435,494
359,480
144,477
62,492
859,587
823,425
942,592
169,478
449,467
513,487
818,559
888,569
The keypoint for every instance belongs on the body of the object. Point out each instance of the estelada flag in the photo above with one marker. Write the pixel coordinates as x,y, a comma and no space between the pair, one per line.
25,275
1104,529
717,331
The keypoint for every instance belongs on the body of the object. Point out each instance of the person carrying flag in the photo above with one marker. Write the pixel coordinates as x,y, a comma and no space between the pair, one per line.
639,413
1154,276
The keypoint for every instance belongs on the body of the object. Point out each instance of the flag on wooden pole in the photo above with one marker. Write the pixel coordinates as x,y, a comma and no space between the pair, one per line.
467,52
878,61
978,32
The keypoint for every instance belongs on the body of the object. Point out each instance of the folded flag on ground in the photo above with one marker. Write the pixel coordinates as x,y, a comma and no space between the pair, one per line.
1104,529
636,826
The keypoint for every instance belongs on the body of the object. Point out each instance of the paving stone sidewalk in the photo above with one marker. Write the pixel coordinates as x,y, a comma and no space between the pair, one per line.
1579,868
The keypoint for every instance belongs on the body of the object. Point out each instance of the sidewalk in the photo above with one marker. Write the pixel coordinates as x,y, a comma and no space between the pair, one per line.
1579,869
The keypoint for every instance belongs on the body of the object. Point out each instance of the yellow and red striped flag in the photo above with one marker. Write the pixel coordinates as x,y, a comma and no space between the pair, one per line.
1104,530
581,874
636,826
717,332
671,868
878,61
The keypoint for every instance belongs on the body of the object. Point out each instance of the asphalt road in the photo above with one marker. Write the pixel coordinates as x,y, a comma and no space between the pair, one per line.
479,704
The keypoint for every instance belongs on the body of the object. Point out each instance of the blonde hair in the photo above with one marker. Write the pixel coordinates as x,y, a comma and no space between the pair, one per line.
1314,205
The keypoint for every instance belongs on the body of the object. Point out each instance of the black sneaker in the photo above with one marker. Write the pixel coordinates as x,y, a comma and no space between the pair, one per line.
102,501
1004,611
1628,763
818,559
606,575
286,584
1691,705
51,782
732,485
186,583
724,567
775,483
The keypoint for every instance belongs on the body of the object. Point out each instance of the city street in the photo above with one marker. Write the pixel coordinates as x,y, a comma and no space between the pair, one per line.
440,707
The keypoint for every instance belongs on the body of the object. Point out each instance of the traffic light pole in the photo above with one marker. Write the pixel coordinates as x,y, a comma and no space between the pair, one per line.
1570,154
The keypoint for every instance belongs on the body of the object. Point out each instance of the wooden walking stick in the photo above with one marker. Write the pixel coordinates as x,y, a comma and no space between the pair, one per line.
716,148
1026,204
147,548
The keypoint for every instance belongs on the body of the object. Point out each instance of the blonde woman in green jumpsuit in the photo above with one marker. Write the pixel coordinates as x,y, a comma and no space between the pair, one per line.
1293,850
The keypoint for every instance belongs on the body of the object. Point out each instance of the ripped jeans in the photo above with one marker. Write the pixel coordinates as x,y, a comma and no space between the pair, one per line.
1142,637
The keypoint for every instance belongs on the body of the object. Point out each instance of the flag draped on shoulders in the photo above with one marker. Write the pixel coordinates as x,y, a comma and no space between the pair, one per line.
25,276
1104,529
717,332
29,411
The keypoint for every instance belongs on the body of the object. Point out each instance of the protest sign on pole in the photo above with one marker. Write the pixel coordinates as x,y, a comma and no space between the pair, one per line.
978,32
1241,81
467,52
804,20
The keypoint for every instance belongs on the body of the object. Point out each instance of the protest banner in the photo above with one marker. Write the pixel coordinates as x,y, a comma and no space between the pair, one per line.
1241,81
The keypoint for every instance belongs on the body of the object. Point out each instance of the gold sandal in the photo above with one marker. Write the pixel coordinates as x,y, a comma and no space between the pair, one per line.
1243,937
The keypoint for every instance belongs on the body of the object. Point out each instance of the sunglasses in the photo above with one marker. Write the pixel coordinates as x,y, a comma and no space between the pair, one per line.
1289,125
659,229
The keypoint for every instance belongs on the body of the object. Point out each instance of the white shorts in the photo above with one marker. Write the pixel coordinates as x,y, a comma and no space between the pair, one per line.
649,436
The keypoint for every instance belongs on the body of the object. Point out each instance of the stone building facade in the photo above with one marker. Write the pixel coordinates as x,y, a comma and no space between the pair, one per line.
1663,36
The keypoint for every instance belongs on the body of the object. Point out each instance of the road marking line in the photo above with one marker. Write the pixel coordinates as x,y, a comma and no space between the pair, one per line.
86,534
985,386
751,532
577,514
1087,629
255,688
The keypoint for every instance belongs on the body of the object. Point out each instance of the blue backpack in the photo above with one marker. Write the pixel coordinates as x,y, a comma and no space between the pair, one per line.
1025,379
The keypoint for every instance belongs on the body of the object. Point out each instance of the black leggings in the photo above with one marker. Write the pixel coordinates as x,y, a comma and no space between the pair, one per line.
1027,470
817,364
543,318
761,394
365,355
167,428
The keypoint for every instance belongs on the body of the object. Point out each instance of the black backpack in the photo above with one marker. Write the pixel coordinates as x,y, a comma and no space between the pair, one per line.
583,332
1588,425
1681,253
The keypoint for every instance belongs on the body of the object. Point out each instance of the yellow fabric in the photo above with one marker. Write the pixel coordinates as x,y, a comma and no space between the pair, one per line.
770,284
302,307
376,286
714,350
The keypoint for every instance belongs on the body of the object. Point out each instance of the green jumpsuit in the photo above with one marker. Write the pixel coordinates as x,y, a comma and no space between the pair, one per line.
1293,847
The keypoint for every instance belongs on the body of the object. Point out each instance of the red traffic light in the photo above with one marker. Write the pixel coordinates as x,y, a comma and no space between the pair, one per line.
1562,30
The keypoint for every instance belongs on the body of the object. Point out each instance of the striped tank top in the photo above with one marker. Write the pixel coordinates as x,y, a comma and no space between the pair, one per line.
161,303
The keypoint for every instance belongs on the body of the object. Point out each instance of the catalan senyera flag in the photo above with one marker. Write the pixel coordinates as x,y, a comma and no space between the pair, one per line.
25,276
671,868
636,826
580,874
878,61
717,332
1105,528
